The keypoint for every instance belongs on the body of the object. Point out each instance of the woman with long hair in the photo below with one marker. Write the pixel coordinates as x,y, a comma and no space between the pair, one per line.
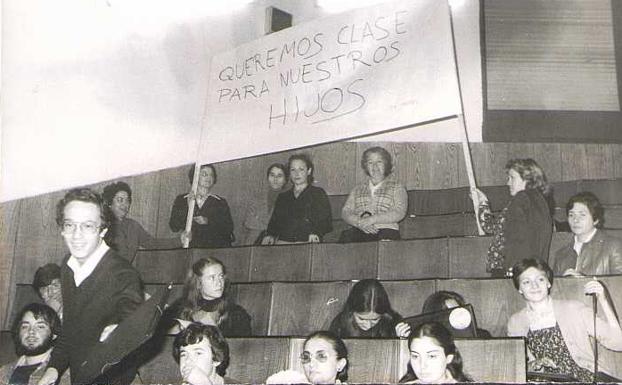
524,227
206,300
367,312
434,358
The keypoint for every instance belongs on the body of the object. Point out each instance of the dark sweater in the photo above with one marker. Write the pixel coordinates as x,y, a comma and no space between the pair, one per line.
344,326
219,228
234,321
107,296
294,219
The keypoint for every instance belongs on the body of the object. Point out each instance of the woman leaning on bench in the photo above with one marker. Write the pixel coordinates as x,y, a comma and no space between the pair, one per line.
558,332
206,300
375,207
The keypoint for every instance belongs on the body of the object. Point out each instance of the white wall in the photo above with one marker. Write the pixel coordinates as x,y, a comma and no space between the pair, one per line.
99,89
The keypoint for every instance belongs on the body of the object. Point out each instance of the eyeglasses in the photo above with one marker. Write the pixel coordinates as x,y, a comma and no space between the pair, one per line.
216,277
89,227
320,356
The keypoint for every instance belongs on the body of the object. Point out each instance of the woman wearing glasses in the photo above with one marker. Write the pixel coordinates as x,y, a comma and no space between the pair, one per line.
206,300
434,358
367,312
125,235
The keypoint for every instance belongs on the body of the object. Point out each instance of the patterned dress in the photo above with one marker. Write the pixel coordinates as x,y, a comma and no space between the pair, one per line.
549,342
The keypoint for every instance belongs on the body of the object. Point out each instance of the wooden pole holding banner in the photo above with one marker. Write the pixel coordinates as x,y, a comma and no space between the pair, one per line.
464,136
197,166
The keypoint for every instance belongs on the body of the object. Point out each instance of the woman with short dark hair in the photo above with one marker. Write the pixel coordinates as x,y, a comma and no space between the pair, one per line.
126,235
301,214
591,251
559,333
523,229
375,207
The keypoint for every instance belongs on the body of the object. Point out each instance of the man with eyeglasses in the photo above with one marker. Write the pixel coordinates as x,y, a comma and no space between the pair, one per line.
99,289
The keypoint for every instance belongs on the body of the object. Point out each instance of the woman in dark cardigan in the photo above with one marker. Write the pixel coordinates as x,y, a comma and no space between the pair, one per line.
206,300
301,214
524,227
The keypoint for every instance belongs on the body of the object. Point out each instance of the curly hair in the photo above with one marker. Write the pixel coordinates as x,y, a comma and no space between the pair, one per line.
194,334
384,154
82,195
111,190
532,173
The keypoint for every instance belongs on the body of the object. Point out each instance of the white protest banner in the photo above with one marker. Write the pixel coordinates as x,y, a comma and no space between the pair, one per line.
344,76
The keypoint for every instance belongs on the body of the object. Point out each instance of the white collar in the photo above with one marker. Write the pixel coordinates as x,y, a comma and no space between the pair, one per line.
373,187
82,272
589,238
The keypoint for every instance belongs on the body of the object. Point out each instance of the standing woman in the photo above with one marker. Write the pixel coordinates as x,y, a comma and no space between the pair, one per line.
559,332
125,235
367,312
301,214
206,300
374,208
591,251
524,227
260,211
212,224
434,358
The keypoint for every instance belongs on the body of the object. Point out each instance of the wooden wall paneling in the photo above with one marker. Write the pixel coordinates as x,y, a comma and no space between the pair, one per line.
145,200
232,184
436,202
9,223
521,151
414,259
613,217
494,300
281,263
609,192
615,233
163,266
336,204
255,359
372,361
409,167
173,181
488,162
7,349
548,156
440,167
237,261
38,238
467,257
563,191
616,153
431,226
574,161
256,298
335,164
333,261
407,297
301,308
600,161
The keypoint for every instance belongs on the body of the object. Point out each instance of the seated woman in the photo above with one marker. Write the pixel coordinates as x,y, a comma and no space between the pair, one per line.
212,224
558,332
439,301
202,354
434,358
375,207
324,361
125,235
367,313
259,211
592,251
206,300
301,214
524,227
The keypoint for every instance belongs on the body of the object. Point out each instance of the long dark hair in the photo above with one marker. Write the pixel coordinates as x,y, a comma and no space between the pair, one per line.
192,296
444,339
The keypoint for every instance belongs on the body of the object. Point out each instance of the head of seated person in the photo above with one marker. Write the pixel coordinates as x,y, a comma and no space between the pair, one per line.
434,358
34,333
324,358
118,199
442,300
46,283
367,312
206,299
202,354
585,214
377,164
277,177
